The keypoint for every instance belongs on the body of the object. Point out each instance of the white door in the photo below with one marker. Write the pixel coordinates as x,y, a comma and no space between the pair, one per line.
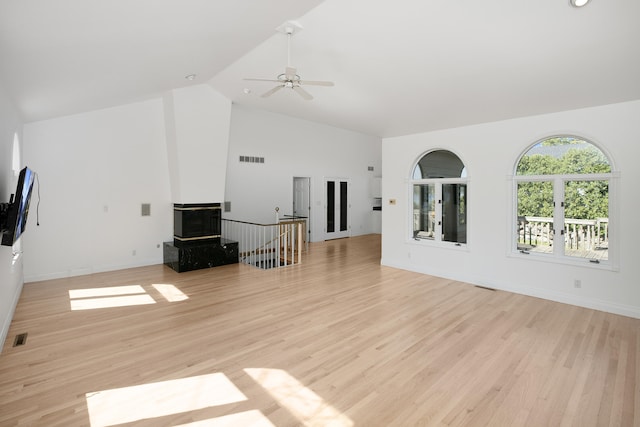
302,201
337,208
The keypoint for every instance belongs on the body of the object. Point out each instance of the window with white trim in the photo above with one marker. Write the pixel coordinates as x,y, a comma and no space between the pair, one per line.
439,202
562,190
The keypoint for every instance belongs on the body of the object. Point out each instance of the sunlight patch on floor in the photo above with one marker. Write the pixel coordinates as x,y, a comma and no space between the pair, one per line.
110,302
303,403
114,296
121,296
170,292
106,292
130,404
252,418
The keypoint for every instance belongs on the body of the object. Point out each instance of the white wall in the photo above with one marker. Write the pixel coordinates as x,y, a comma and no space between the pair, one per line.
95,170
197,122
11,271
490,152
293,147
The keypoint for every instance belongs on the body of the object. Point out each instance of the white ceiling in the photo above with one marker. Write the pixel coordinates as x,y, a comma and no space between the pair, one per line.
400,67
68,56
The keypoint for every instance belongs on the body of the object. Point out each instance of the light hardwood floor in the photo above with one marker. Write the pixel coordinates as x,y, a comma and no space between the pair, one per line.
338,340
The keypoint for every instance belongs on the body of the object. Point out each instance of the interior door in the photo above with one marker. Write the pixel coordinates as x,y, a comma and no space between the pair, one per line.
302,200
337,207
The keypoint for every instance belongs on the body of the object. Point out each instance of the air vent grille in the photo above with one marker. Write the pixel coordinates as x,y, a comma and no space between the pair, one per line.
251,159
21,339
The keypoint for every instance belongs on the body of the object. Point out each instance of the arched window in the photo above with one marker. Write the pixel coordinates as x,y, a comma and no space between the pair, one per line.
439,205
562,193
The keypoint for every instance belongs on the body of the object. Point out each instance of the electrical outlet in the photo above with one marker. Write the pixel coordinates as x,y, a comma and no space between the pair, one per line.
577,283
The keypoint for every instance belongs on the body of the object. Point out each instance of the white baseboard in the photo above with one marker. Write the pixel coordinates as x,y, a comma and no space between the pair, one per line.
6,323
90,270
562,297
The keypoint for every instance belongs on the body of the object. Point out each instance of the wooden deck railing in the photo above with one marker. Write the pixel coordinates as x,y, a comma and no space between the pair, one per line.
580,234
267,245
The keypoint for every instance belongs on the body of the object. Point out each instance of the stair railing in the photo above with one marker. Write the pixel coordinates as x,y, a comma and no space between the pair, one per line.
267,245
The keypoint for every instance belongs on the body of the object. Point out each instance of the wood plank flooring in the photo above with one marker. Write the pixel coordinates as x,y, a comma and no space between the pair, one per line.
337,340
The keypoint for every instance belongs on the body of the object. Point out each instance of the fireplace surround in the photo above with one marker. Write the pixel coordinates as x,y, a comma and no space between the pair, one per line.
196,223
197,241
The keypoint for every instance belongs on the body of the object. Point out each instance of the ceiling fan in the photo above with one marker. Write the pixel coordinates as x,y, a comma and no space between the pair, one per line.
290,78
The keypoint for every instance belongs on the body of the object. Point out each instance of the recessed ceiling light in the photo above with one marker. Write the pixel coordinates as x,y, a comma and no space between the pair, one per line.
190,77
246,91
578,3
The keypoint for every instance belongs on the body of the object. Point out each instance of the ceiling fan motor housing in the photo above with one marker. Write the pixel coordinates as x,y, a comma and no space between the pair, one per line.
290,79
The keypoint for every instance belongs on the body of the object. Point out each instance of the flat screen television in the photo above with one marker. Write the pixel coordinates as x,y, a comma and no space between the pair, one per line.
15,215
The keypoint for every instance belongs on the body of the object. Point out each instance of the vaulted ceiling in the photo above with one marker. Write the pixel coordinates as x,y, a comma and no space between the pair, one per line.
399,67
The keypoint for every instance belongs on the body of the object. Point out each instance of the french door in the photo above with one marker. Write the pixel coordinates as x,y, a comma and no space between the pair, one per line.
337,207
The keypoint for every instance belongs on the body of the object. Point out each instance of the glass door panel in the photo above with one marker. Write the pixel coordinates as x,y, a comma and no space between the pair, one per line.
331,206
535,216
454,213
424,211
586,219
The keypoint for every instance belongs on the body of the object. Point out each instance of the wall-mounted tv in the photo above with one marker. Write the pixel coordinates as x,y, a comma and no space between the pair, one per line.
14,214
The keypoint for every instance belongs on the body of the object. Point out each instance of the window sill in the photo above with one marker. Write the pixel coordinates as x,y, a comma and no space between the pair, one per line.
440,244
564,260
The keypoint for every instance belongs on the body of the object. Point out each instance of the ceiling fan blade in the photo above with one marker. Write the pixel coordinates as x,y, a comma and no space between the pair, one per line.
264,80
315,83
303,93
272,91
290,73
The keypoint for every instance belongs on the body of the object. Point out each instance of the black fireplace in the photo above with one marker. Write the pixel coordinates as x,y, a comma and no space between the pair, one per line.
197,241
196,223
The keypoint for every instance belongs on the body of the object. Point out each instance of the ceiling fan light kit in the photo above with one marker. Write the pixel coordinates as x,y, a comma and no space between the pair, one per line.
578,3
290,79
